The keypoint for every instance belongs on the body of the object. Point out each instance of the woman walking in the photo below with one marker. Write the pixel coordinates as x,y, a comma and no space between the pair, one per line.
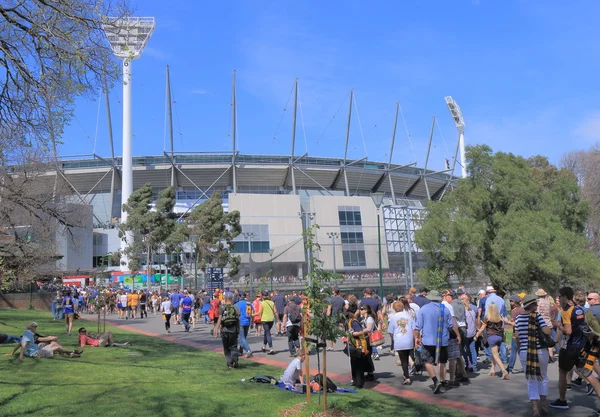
68,304
167,310
267,312
527,328
369,325
494,325
401,326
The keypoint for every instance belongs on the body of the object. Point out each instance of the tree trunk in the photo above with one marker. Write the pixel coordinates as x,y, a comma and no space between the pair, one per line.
325,376
148,266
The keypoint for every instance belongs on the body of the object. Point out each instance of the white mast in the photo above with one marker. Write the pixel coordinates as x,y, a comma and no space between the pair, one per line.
460,126
127,37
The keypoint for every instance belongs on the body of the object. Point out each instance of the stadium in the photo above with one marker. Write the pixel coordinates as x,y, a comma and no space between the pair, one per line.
278,197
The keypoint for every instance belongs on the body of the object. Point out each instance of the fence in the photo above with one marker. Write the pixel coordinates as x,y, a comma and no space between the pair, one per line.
22,301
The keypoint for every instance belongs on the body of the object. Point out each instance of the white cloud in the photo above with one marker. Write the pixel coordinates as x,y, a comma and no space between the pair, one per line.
199,91
588,129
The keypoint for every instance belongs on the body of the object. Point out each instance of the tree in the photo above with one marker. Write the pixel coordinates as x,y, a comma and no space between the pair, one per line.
215,231
517,221
150,226
318,289
51,52
585,165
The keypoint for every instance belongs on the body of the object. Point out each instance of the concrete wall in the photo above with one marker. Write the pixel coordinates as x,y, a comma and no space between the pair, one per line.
280,213
76,244
326,216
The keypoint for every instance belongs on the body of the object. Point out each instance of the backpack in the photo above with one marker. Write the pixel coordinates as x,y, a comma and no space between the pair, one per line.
331,386
248,310
230,316
592,328
295,315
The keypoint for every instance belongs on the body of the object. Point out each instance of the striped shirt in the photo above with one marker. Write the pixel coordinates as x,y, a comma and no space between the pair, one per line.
521,327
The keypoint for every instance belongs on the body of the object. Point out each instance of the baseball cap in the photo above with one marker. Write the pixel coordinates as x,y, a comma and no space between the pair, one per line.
460,291
265,293
515,299
490,289
481,292
242,294
423,289
451,293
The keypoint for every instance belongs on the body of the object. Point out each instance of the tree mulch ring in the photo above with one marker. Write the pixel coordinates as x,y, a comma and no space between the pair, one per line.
298,408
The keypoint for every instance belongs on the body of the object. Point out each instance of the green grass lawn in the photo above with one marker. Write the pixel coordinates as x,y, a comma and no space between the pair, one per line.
155,378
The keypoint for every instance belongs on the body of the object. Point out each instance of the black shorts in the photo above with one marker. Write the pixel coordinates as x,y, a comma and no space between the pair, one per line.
280,315
428,354
567,359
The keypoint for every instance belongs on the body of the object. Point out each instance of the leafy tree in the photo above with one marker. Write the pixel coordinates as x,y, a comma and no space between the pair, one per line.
318,289
150,227
215,231
517,221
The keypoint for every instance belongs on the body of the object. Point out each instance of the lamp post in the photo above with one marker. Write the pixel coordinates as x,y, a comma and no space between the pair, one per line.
194,240
127,37
459,122
250,236
333,236
271,256
377,200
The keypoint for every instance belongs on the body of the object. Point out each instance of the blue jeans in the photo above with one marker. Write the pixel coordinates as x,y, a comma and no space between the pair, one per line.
473,352
513,355
488,352
242,339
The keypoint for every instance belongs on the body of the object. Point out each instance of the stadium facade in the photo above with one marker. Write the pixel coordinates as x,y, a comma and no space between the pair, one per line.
278,197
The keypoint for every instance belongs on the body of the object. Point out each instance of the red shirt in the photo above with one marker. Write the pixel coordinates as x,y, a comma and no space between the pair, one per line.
88,341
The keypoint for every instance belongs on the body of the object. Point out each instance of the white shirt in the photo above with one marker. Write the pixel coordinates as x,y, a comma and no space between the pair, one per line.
165,306
401,325
449,307
415,308
292,372
123,300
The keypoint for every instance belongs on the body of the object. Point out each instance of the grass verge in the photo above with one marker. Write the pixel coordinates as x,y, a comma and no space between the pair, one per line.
157,378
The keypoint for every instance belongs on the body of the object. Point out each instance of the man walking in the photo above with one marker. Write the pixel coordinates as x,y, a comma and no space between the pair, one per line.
186,310
421,298
432,328
246,311
280,302
515,310
336,308
292,317
228,325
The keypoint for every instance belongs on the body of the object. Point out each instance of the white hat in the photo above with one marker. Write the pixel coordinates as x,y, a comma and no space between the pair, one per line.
481,292
490,289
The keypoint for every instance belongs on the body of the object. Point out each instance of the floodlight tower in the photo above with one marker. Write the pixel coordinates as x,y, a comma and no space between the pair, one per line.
460,125
127,37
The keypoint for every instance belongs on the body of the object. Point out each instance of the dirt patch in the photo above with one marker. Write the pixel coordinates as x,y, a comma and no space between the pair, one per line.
299,409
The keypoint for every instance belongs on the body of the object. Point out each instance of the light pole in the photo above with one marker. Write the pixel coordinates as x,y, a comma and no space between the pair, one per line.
333,236
459,122
194,240
377,200
307,217
250,236
271,256
127,37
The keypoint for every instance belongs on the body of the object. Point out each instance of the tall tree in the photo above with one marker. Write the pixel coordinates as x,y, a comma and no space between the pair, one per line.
215,230
515,221
150,226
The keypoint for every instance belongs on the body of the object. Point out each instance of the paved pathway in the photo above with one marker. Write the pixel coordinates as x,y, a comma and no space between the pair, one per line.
485,396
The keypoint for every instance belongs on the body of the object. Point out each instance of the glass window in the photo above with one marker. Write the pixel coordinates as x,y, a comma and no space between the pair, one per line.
342,215
354,257
352,237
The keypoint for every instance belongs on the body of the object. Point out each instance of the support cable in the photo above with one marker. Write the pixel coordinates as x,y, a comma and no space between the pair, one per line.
332,118
283,113
302,120
407,133
360,127
97,121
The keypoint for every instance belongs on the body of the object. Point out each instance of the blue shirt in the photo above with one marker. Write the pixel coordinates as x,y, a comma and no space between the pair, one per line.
186,303
69,308
176,299
493,298
427,323
243,305
31,348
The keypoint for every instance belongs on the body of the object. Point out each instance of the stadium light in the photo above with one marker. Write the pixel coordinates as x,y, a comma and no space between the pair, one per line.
459,122
127,37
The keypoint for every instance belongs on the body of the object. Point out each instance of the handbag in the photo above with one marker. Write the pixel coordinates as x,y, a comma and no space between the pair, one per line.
376,338
545,340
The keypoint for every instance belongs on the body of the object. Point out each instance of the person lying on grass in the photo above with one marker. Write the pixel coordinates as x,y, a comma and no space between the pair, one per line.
32,350
8,339
98,340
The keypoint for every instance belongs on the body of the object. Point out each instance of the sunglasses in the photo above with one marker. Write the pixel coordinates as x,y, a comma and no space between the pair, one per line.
590,299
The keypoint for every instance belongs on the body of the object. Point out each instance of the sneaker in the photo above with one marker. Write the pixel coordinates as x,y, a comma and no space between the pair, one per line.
590,390
464,380
559,404
248,355
376,357
486,361
437,387
569,386
453,384
577,381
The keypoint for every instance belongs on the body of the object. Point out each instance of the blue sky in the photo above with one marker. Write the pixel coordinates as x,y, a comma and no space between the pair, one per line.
524,73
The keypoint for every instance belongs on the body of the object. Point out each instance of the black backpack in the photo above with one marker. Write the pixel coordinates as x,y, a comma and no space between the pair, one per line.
230,316
331,386
295,315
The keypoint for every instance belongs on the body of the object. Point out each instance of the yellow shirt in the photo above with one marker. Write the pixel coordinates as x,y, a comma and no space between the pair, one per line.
268,311
134,300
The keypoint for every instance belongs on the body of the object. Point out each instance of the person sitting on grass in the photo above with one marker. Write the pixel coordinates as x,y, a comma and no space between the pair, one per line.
8,339
98,340
32,350
293,372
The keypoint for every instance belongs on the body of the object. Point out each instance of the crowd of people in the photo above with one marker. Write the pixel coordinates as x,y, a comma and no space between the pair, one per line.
442,334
